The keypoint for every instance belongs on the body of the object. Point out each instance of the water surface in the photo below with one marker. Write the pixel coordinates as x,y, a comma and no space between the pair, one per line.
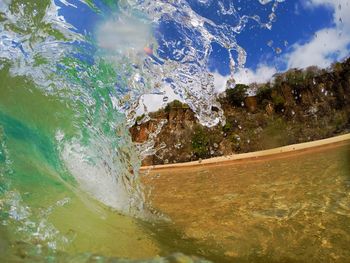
286,208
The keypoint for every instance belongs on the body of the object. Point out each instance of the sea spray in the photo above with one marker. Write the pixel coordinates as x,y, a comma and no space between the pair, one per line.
69,94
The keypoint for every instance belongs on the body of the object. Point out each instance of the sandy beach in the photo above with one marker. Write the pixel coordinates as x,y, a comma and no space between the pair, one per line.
280,152
288,204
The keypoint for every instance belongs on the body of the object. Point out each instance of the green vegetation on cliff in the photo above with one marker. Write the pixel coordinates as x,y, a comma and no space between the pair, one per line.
297,106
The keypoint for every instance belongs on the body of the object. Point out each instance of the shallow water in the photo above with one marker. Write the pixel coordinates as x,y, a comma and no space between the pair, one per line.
288,208
40,203
72,77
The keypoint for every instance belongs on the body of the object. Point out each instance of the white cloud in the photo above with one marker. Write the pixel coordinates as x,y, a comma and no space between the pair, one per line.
328,44
341,9
324,47
262,74
220,82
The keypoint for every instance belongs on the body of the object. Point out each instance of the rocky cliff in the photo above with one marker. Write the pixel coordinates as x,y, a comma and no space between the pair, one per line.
298,106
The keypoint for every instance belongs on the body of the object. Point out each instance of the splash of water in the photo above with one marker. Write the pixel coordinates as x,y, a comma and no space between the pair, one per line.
184,34
71,90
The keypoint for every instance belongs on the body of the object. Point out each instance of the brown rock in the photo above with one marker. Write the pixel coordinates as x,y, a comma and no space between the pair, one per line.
251,103
269,109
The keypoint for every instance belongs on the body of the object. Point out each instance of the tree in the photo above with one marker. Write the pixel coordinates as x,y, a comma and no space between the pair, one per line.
237,95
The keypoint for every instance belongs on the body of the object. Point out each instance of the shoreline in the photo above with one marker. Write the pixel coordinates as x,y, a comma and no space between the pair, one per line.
258,155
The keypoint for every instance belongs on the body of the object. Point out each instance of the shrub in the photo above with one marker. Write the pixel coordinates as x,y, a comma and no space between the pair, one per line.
264,94
139,118
295,78
227,127
176,104
237,95
278,102
236,142
200,143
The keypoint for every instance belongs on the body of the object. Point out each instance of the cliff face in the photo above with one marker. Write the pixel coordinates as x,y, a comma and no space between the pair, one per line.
175,135
299,106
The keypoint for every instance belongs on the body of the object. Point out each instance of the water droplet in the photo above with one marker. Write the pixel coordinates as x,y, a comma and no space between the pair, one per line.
272,17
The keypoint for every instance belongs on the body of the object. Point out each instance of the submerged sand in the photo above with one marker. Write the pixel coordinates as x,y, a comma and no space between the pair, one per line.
263,206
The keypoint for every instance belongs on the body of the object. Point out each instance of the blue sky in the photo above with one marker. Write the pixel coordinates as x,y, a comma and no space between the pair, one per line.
294,24
308,32
304,33
297,23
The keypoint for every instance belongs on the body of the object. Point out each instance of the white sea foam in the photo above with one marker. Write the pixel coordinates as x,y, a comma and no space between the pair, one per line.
95,176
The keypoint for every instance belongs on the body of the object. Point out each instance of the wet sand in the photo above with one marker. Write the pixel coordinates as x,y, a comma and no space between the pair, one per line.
265,207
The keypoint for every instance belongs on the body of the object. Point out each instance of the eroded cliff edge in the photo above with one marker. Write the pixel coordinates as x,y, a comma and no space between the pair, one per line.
297,106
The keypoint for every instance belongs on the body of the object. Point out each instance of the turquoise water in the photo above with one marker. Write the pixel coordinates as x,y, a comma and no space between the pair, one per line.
66,159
